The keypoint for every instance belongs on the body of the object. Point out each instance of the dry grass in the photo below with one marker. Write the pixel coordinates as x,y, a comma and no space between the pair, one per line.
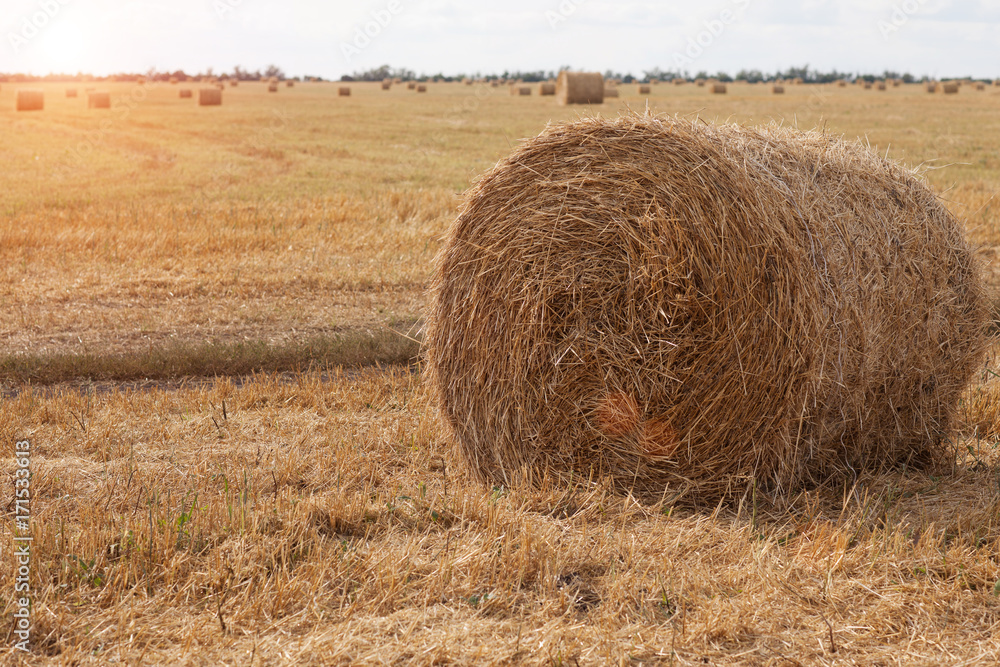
326,522
30,100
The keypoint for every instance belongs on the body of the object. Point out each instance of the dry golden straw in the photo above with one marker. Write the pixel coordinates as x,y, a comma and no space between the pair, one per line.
516,91
209,97
411,85
546,88
580,88
950,88
30,100
718,88
99,100
185,92
611,92
421,88
691,308
645,89
344,91
272,87
778,90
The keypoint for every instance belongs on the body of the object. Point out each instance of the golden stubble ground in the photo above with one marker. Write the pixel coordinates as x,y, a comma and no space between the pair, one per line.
322,517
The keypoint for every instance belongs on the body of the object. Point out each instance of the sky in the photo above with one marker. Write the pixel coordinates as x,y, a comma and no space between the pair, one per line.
938,38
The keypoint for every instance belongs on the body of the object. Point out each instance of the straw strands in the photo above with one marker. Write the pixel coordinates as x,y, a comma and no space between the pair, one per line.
699,309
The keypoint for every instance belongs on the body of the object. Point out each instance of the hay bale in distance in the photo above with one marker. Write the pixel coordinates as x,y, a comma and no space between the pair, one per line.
867,85
980,86
209,97
71,92
233,83
695,308
386,85
421,88
518,91
645,89
185,92
272,87
881,85
778,90
580,87
610,92
546,88
99,99
30,100
718,88
344,91
842,84
950,88
931,87
411,85
289,83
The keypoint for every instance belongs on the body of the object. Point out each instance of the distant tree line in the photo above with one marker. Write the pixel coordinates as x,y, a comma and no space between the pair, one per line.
805,73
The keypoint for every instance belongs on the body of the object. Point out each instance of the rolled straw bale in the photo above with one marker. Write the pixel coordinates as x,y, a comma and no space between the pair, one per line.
842,84
580,87
344,91
996,82
679,81
100,99
718,88
896,83
71,92
931,87
220,86
397,81
421,88
610,91
289,84
778,90
881,86
209,97
980,86
185,92
386,85
233,83
546,89
521,90
30,100
645,89
699,82
272,87
173,80
867,85
411,85
950,88
691,308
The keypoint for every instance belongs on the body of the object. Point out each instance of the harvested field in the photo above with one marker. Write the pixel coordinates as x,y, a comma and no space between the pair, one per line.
302,506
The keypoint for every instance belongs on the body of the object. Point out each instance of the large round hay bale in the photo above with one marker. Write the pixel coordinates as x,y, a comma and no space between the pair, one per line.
580,88
688,307
950,88
99,99
645,89
546,88
209,97
30,100
185,92
718,88
344,91
778,90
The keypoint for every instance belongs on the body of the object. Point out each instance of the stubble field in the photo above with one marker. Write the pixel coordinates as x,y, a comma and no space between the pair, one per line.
210,317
